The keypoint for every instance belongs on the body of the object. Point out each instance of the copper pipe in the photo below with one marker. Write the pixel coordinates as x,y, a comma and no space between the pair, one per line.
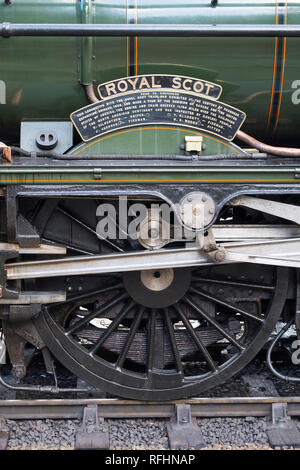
90,94
6,152
280,151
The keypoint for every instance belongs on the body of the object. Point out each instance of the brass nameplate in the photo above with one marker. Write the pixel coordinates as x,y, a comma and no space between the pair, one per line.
160,83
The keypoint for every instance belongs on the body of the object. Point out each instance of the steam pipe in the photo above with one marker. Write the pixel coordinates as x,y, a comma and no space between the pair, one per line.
279,151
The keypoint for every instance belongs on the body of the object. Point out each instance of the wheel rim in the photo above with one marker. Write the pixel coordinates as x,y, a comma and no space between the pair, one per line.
176,343
153,350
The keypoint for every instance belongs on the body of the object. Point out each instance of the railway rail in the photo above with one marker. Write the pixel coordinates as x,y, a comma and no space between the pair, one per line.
116,408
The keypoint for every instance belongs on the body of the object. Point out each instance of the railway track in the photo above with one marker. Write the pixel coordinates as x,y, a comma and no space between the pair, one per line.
259,403
182,430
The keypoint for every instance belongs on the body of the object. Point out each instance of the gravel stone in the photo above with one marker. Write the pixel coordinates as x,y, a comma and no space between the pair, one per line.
138,434
49,434
234,432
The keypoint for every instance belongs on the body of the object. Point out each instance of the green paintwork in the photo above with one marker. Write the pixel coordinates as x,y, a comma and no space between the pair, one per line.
43,75
163,174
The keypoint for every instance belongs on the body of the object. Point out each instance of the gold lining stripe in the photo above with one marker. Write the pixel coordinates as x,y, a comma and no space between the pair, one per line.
274,70
127,43
136,39
283,70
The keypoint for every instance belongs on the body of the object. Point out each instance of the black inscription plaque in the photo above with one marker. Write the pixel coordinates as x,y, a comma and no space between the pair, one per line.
155,82
157,107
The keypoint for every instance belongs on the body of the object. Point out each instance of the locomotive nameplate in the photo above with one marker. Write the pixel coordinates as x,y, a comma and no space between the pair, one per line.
160,82
157,107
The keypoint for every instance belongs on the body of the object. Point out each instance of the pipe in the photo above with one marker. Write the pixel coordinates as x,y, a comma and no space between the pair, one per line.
90,93
288,378
278,151
107,157
149,30
41,388
86,45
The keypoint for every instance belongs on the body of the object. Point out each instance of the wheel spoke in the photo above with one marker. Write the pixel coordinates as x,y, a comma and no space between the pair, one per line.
214,323
130,337
106,306
226,304
170,329
151,340
112,327
232,283
87,295
69,247
196,338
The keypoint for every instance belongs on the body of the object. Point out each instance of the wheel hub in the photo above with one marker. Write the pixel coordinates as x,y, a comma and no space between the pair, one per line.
157,288
157,279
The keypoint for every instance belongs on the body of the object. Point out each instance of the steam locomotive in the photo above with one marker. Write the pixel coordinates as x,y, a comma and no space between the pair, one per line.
149,188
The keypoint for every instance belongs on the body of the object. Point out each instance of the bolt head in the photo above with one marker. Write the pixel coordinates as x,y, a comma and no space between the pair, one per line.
196,210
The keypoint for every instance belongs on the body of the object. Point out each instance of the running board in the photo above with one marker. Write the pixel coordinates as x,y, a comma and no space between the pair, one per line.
28,298
37,250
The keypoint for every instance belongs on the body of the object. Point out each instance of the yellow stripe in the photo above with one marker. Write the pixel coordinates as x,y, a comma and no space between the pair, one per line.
127,43
283,70
274,70
136,39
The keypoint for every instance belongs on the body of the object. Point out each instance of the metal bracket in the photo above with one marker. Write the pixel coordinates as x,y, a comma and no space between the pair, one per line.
283,431
5,292
97,173
193,144
26,235
183,431
93,433
211,248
